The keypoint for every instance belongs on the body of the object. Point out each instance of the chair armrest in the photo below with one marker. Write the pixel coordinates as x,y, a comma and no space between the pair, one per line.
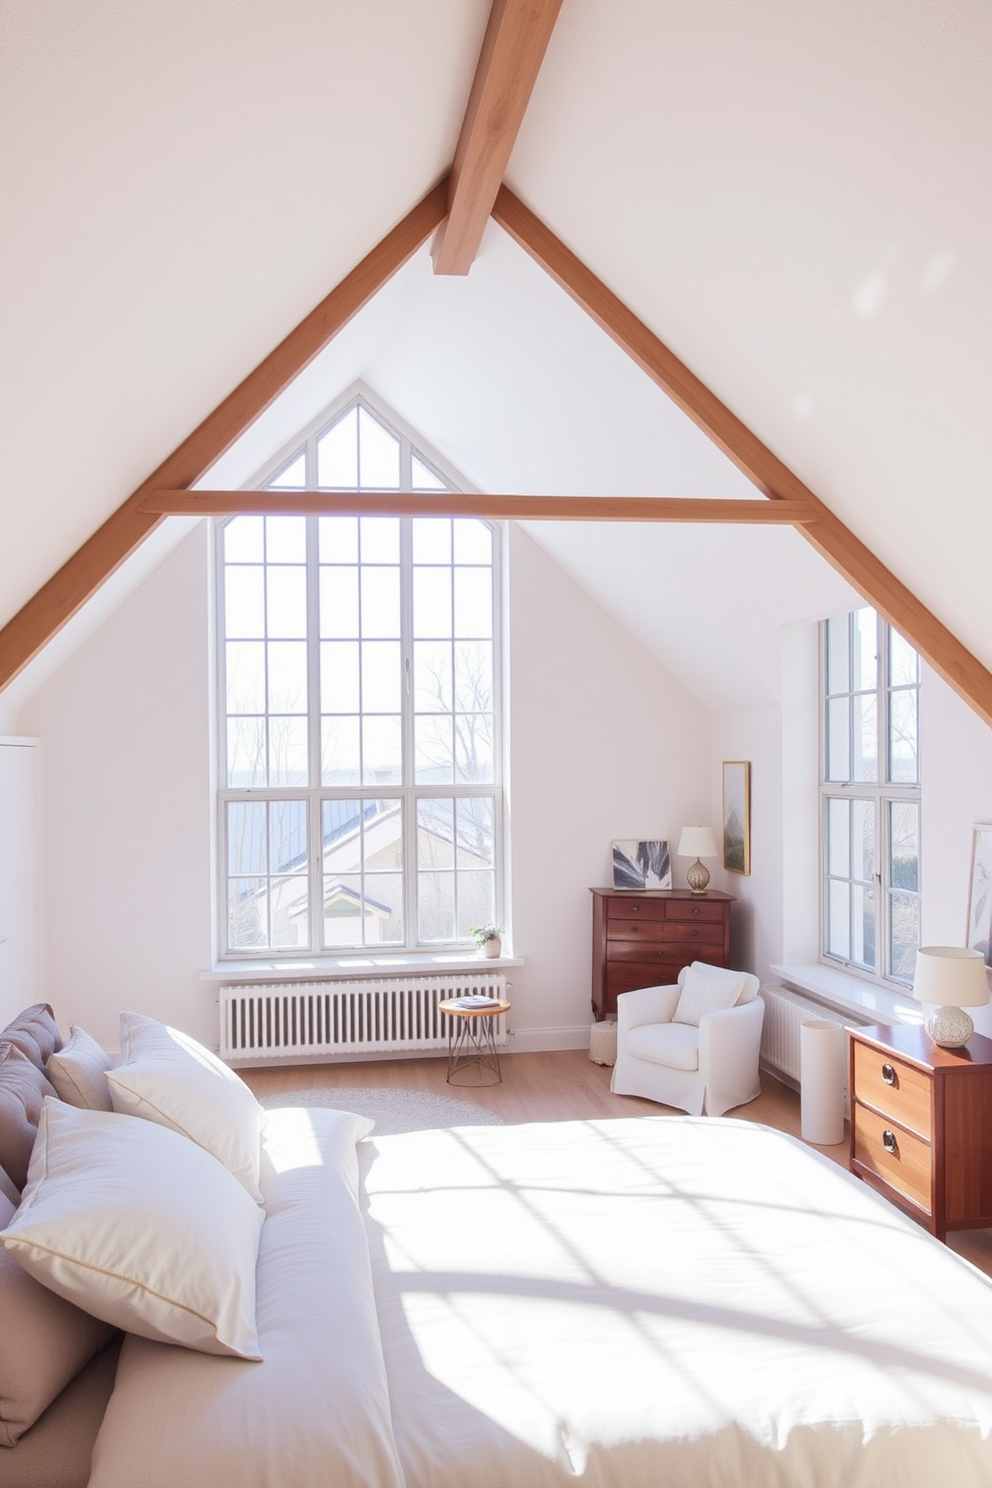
646,1005
732,1034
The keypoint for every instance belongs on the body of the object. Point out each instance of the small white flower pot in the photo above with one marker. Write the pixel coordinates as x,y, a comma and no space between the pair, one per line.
492,948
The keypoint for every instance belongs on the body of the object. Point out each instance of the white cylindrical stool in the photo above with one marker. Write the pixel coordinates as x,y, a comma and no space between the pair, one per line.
603,1042
821,1062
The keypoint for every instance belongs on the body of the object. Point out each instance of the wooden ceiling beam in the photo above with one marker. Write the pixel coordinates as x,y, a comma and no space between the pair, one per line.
59,599
513,49
203,503
832,539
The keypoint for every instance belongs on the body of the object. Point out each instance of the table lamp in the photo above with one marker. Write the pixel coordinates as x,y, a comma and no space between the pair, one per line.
951,978
697,842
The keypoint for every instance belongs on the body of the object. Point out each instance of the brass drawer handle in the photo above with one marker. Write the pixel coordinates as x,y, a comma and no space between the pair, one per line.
889,1141
888,1074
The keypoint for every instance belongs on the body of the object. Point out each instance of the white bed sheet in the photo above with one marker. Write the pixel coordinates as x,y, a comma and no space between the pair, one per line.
677,1301
315,1412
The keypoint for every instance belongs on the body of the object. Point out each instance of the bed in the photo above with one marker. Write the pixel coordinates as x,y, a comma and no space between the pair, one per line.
661,1300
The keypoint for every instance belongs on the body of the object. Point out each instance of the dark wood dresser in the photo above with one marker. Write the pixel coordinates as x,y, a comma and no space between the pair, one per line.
643,938
921,1124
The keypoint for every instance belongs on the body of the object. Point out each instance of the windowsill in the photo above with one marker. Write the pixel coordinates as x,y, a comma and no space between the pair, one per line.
849,994
358,966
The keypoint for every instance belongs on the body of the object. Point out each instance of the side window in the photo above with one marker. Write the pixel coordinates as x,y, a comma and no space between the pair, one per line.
870,797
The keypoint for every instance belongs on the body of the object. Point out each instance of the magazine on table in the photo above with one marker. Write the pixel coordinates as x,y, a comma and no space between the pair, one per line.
474,1000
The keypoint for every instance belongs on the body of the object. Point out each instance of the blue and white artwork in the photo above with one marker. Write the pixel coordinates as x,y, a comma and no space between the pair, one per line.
641,865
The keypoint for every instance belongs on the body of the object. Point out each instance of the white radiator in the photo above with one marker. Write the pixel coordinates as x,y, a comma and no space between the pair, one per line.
785,1013
375,1015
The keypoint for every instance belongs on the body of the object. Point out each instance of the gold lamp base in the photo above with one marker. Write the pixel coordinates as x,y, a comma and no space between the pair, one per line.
697,878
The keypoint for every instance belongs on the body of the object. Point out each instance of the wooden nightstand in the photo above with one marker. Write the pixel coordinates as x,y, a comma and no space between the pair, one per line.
921,1124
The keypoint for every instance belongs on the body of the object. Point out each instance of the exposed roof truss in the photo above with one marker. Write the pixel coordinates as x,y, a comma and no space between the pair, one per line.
515,43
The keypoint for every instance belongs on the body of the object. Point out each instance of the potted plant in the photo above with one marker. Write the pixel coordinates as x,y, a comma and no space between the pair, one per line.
489,939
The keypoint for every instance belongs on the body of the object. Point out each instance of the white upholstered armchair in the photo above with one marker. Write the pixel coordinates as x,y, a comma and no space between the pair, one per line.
694,1046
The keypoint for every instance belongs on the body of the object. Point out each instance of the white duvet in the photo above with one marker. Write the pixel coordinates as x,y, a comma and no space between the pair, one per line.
666,1302
677,1302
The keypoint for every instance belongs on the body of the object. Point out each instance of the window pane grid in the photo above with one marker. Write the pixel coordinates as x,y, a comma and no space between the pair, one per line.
358,654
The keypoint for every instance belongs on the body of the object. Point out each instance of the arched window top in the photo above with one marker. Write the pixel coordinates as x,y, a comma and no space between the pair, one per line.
357,447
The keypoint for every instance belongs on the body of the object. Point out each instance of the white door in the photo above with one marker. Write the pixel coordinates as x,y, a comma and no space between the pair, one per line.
20,878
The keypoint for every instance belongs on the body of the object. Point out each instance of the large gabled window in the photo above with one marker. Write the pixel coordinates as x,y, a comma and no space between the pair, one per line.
359,667
870,797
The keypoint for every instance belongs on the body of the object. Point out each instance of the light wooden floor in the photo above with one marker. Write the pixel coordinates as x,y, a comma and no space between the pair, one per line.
562,1086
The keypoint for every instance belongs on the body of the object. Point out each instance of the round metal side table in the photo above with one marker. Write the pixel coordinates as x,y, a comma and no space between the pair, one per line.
472,1039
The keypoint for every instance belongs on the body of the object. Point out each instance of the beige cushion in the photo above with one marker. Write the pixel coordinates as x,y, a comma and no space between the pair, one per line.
706,989
58,1449
79,1072
46,1342
35,1032
140,1227
167,1077
23,1088
673,1044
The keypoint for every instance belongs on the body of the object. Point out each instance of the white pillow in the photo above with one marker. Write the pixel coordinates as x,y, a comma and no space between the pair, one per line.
141,1228
79,1071
167,1077
706,989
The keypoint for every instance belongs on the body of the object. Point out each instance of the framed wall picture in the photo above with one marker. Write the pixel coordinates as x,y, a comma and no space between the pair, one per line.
980,894
641,864
737,816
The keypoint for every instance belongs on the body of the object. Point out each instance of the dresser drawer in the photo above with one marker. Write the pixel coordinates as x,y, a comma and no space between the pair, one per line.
636,930
706,933
627,976
900,1159
636,909
685,909
895,1088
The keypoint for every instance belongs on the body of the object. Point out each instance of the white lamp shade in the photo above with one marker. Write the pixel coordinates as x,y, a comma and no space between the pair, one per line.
697,842
950,976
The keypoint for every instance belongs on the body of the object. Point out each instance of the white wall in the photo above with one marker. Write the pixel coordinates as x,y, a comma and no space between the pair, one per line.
126,809
604,744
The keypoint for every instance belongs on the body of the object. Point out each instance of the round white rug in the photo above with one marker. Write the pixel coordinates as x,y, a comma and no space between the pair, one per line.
391,1110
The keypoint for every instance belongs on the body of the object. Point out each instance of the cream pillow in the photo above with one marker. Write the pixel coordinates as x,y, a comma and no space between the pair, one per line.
140,1227
79,1071
167,1077
706,989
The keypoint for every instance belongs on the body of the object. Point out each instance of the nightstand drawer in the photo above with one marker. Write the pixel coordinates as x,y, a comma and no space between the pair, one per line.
896,1156
895,1088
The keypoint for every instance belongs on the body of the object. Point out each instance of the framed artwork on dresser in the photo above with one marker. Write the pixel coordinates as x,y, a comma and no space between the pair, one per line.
639,863
737,816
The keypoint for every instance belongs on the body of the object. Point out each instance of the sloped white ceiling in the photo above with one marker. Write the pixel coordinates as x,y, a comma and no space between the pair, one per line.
794,196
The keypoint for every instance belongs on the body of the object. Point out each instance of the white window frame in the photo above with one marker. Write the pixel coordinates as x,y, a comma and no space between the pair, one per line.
407,792
882,794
